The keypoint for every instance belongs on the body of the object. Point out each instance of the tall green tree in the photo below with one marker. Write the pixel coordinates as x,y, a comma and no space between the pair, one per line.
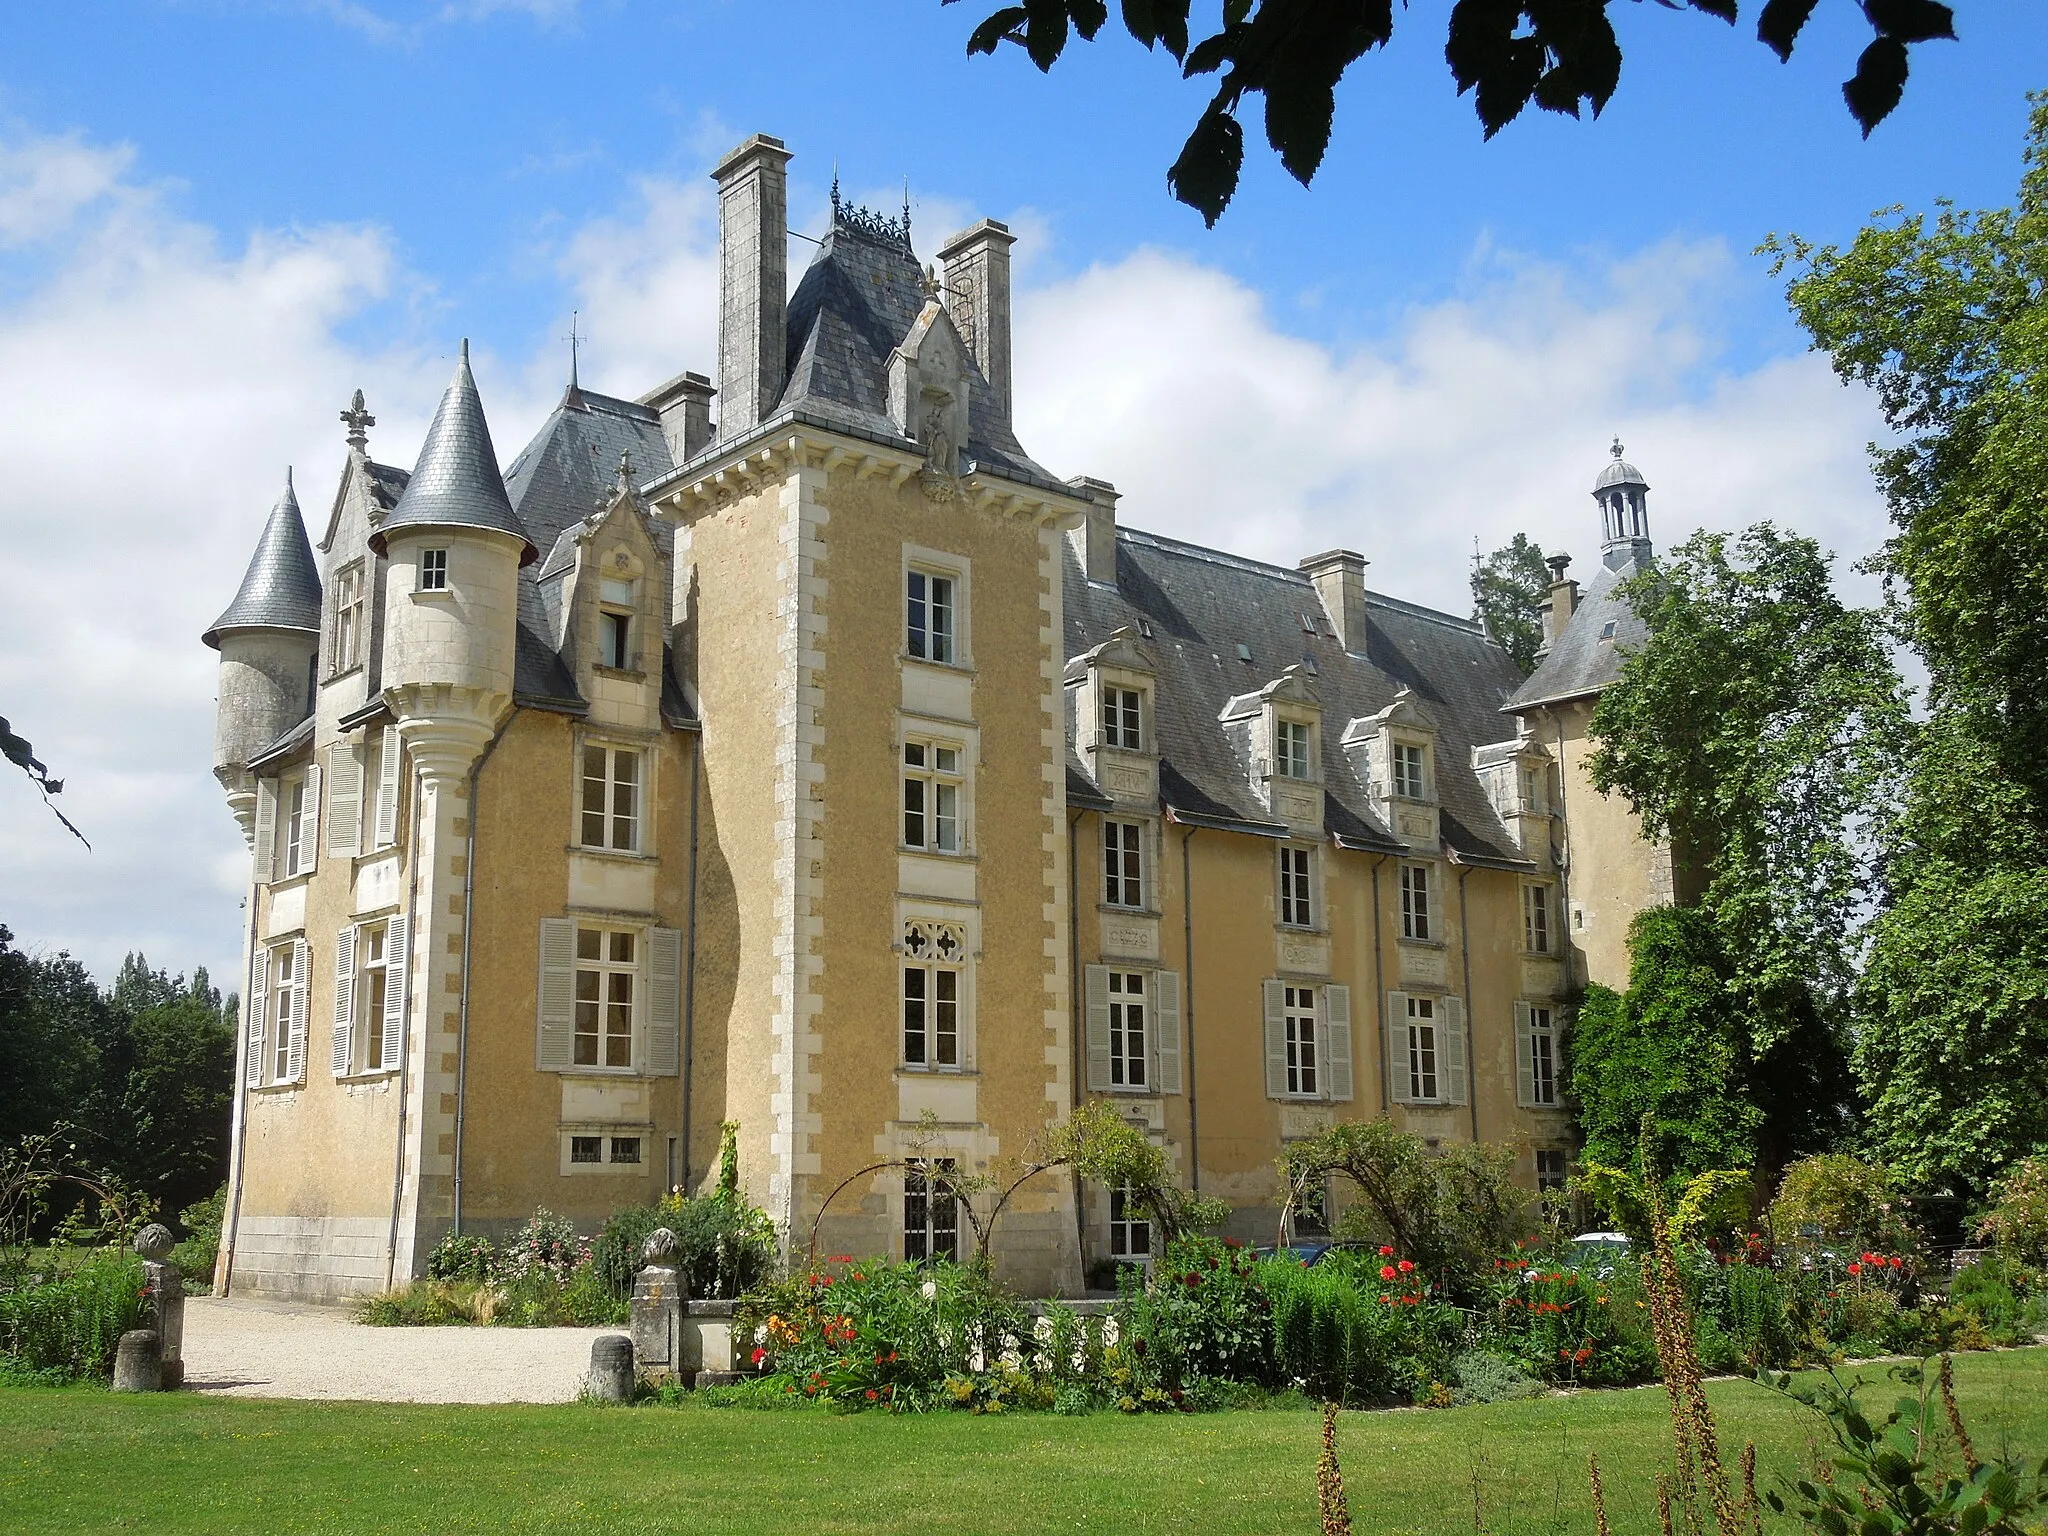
1560,55
1510,590
1945,318
168,1109
52,1022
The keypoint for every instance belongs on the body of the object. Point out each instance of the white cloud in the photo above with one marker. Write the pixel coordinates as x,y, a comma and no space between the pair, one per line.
647,285
45,182
1478,417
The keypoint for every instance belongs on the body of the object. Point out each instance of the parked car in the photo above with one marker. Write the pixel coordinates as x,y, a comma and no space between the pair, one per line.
1597,1252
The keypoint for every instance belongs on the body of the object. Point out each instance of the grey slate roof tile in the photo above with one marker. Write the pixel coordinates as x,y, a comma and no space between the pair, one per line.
281,588
456,483
1201,605
1582,660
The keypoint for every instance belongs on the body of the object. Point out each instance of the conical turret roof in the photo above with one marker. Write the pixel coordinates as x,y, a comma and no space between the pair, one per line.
456,483
281,588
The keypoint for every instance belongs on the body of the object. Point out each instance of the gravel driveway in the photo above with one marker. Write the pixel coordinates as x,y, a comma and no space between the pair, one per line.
240,1348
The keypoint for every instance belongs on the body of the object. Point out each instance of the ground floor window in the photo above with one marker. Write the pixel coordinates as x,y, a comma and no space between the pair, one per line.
931,993
586,1149
607,964
931,1215
1130,1233
1552,1164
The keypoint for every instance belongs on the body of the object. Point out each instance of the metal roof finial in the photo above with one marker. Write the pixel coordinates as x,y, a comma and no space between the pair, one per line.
625,484
835,191
1616,449
358,420
574,339
906,210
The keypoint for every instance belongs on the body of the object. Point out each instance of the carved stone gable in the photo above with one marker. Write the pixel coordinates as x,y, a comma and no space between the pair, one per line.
930,378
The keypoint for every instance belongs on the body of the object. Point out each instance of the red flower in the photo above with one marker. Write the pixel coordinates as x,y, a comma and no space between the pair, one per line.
1896,1262
1193,1280
760,1355
1855,1269
1386,1271
873,1395
1406,1267
842,1258
1386,1253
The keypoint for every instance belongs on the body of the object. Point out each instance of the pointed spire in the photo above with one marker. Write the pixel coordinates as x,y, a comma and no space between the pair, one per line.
281,588
456,483
572,398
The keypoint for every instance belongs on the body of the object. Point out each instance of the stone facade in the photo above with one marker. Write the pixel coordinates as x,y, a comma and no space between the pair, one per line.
840,772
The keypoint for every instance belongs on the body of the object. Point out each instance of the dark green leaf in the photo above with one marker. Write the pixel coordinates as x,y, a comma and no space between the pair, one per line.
1298,126
1724,9
1879,81
1205,175
1089,16
1910,21
1209,54
992,31
1781,23
1045,35
1164,22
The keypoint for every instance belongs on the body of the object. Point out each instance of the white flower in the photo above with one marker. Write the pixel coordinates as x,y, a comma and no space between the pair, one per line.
930,1289
1042,1328
1110,1333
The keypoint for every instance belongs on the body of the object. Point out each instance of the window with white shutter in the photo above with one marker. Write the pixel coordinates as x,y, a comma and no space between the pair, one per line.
302,959
557,1024
664,1050
1274,996
266,830
341,1053
344,798
391,1037
1337,1042
1095,996
1457,1077
255,1016
391,748
1536,1063
1166,1031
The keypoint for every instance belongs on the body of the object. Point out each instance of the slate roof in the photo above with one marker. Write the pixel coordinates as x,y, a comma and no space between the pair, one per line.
559,478
281,588
1200,605
1587,656
456,483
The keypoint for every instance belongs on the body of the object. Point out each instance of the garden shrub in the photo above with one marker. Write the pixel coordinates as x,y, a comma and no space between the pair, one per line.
1483,1377
1204,1315
463,1256
1573,1327
67,1324
724,1247
198,1254
1758,1317
1834,1203
2002,1295
2018,1220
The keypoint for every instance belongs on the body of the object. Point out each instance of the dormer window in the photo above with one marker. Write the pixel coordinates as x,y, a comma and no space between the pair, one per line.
1122,712
1290,749
433,570
1409,780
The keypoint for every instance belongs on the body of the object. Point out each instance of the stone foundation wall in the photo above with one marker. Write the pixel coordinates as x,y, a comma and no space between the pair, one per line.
310,1258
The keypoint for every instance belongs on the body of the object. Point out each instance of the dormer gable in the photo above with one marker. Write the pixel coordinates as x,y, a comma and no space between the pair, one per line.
1395,753
1112,693
1277,733
930,380
605,587
1518,777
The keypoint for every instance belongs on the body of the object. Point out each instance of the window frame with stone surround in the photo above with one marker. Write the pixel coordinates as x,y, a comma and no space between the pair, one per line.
296,825
608,786
431,574
1416,884
368,1002
278,1042
924,641
929,784
1125,868
1126,1228
618,613
1408,766
350,619
934,956
925,1194
1558,1174
1302,1024
1539,1062
1130,1069
1297,907
1538,931
606,970
1294,749
1120,715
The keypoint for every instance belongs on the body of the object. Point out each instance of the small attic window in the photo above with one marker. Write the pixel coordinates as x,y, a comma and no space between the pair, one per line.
613,590
1144,629
433,570
1308,624
1607,629
1244,653
1308,663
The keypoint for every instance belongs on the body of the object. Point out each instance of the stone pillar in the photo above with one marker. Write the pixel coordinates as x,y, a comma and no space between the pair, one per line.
658,1309
138,1362
611,1369
166,1300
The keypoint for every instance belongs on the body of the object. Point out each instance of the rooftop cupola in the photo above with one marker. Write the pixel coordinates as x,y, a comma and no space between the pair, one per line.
267,640
457,484
1623,495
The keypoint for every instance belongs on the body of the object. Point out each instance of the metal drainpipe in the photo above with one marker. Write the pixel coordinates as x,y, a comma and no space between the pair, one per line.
227,1274
1077,1024
1379,978
468,911
412,897
1471,1056
1187,1003
690,959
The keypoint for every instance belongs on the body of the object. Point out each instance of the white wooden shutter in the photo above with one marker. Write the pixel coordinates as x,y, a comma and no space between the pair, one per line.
1095,992
1166,1031
1525,1065
386,832
1275,997
1452,1051
309,829
557,1050
344,798
266,830
1399,1083
341,1057
301,960
255,1010
664,1056
397,981
1337,1031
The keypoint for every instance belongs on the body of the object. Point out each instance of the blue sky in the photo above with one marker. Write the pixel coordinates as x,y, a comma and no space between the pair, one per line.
219,216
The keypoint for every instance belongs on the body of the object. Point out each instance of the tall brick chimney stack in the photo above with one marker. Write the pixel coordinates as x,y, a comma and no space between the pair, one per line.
977,266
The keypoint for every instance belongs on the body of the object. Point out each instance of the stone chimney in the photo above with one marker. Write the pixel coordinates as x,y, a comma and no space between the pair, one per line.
753,282
1095,540
684,404
1339,577
1564,600
977,265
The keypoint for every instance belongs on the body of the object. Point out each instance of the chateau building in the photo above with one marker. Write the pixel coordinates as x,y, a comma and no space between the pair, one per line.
839,771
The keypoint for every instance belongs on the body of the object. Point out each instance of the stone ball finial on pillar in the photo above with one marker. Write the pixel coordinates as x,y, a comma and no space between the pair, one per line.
660,1248
165,1304
611,1368
155,1241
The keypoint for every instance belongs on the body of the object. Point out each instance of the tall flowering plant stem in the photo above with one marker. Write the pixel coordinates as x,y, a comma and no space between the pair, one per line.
1330,1501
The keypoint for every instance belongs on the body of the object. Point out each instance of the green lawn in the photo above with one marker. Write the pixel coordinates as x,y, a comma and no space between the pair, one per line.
81,1460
